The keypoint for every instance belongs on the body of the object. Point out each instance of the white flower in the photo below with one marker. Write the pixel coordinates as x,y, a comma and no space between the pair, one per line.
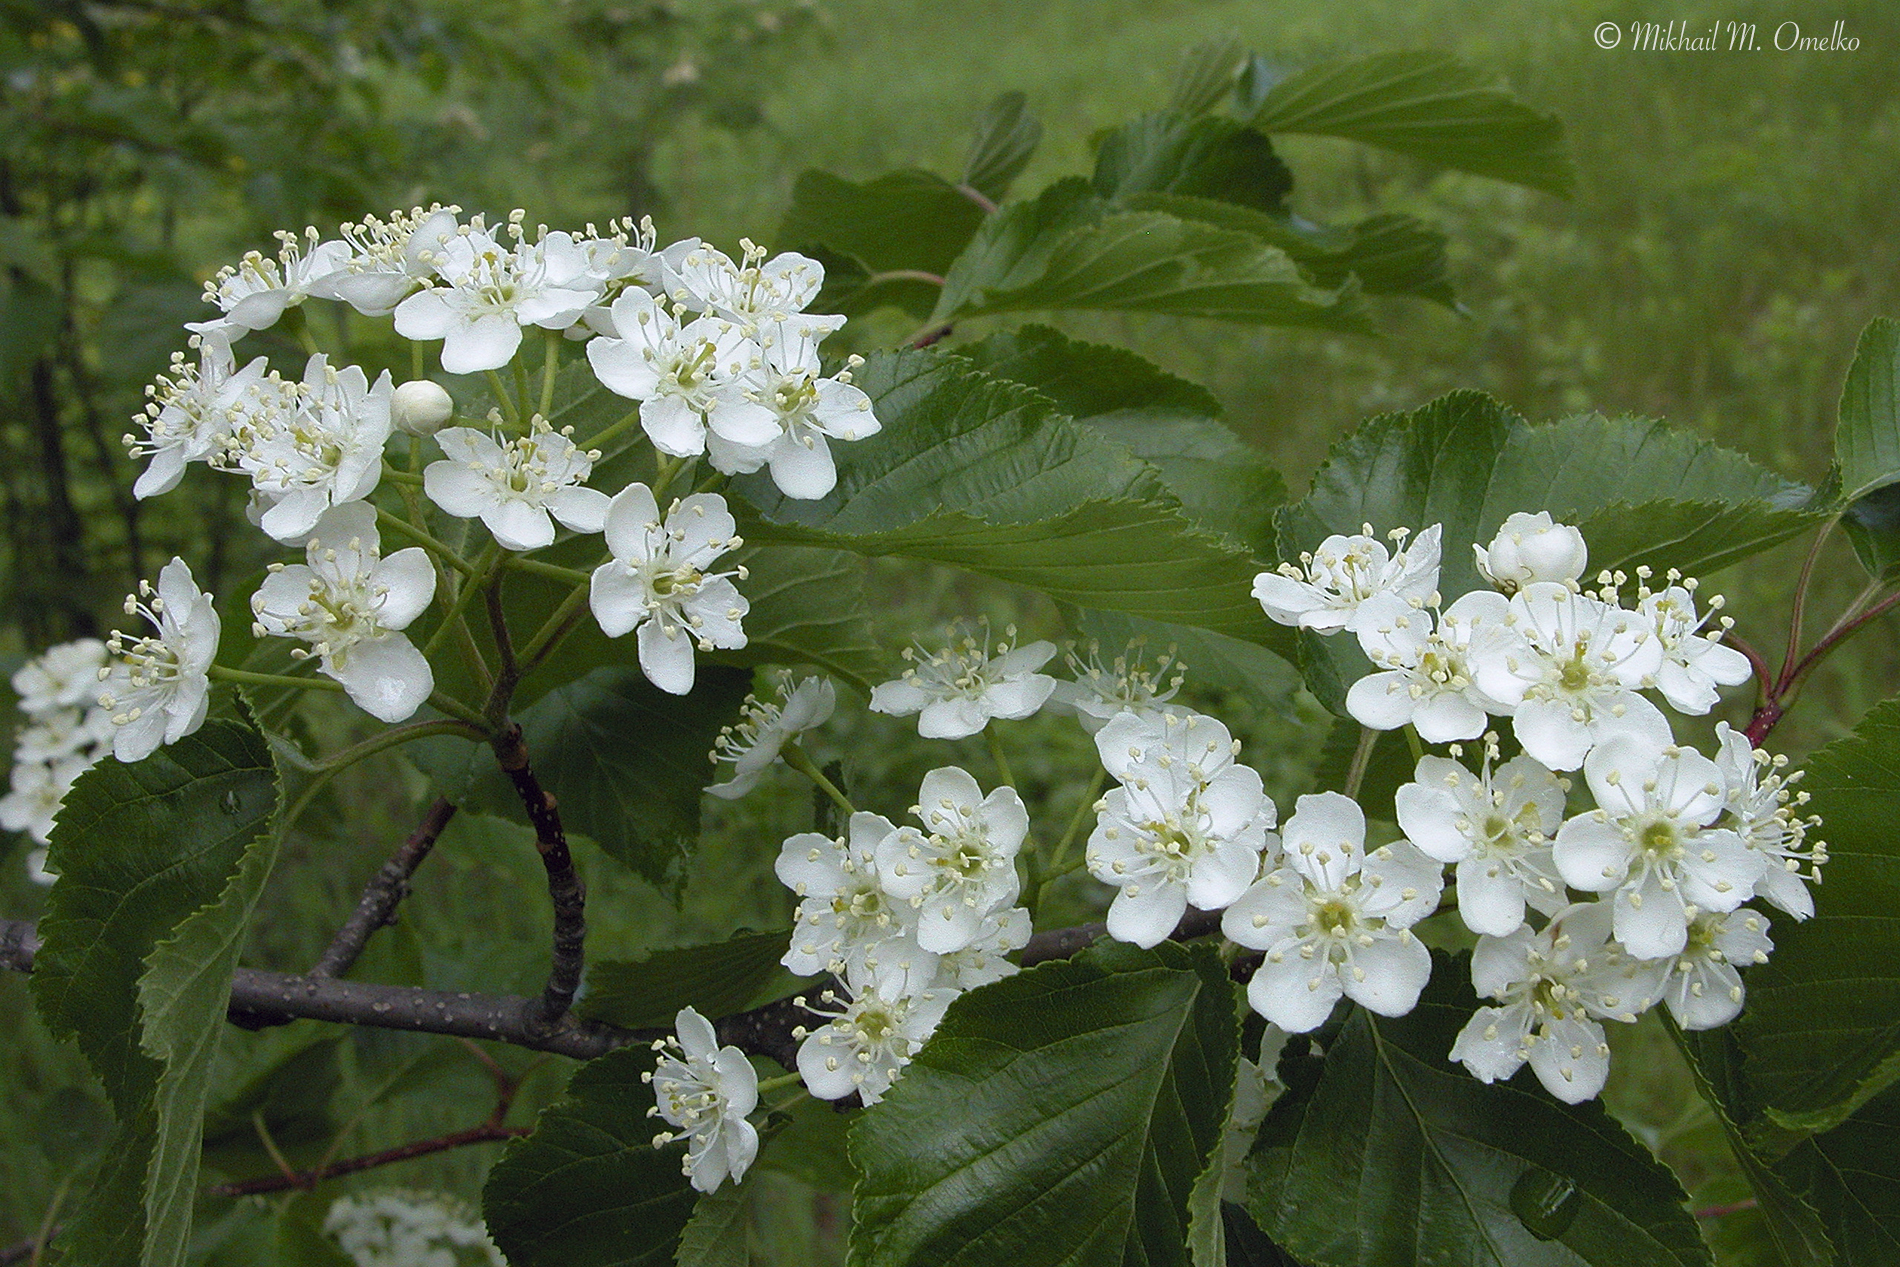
1650,842
1127,685
1532,548
1761,810
1424,660
766,727
1496,826
254,293
807,411
1324,594
389,259
1556,986
158,689
409,1229
1002,933
313,446
513,483
491,291
956,691
189,415
65,675
705,1092
1187,825
1694,665
687,378
868,1041
351,604
1704,989
1336,920
965,867
64,732
35,793
1568,668
845,919
754,292
657,582
420,407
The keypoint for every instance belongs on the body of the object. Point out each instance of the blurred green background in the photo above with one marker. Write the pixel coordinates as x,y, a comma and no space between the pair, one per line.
1734,226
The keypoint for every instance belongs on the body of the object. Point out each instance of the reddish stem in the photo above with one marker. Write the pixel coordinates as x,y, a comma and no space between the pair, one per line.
1717,1211
488,1132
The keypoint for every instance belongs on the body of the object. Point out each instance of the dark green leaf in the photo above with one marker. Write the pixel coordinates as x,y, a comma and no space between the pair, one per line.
717,979
1429,106
904,223
587,1188
1388,768
1069,249
1872,524
1851,1175
1867,435
1206,74
1006,138
983,474
719,1233
1212,157
1822,1029
1060,1116
807,608
1398,1156
625,760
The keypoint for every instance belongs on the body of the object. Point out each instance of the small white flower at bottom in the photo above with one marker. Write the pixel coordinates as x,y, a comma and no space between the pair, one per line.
705,1091
1335,919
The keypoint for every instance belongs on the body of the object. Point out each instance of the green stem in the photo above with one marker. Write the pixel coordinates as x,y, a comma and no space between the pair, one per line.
611,431
521,389
456,708
573,576
394,737
997,755
1080,816
396,475
665,467
1793,656
550,362
553,629
796,758
417,367
1416,744
783,1080
248,678
1361,758
509,410
440,549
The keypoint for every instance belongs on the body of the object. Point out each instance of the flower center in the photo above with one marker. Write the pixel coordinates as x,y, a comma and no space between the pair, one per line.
1334,917
1659,838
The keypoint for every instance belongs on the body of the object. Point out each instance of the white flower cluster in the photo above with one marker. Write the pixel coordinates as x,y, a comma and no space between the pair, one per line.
410,1229
65,734
704,1091
1675,844
719,353
906,918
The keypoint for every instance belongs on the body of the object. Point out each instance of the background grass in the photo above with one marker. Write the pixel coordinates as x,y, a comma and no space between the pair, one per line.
1732,230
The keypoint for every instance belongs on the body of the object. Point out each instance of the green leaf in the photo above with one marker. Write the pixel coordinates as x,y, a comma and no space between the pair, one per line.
1872,525
1059,1116
1166,421
1389,767
983,474
1397,1155
1212,157
1005,140
900,224
807,608
718,979
587,1188
1867,435
625,760
1206,74
1429,106
1822,1029
719,1234
1851,1175
161,863
1068,248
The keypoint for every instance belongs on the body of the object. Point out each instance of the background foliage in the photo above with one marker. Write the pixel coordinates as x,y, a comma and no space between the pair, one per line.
1729,232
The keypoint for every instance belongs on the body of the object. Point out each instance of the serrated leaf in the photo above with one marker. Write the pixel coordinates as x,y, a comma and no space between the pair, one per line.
1867,434
1851,1176
1398,1156
1006,138
1168,422
1822,1028
1206,74
1429,106
984,474
625,760
1210,156
1872,525
905,222
807,608
1059,1116
1067,248
719,1233
587,1188
717,979
162,862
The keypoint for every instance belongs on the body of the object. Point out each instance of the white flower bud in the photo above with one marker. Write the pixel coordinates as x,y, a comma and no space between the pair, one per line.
420,407
1532,548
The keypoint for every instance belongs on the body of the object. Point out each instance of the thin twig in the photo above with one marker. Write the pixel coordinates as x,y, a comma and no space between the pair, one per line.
377,907
486,1133
565,889
1717,1211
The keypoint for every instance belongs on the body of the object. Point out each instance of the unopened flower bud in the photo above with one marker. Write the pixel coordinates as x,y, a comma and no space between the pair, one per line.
1532,548
420,407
